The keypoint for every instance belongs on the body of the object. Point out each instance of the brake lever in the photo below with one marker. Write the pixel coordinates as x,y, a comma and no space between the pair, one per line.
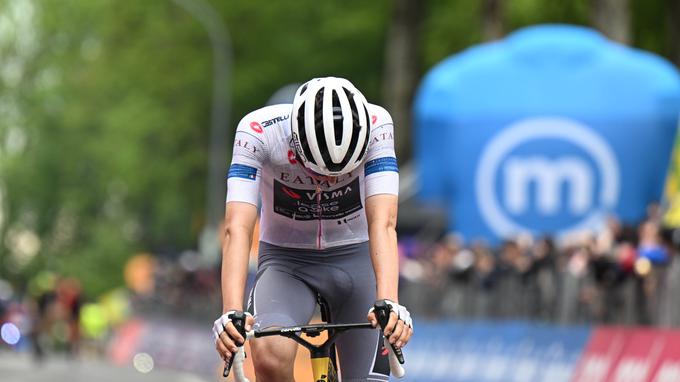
238,319
382,312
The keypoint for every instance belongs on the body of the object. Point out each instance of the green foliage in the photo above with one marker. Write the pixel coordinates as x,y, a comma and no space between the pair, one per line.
449,27
650,20
277,43
521,13
114,108
452,26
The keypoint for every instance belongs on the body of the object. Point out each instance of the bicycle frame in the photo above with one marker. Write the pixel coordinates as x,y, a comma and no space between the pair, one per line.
322,366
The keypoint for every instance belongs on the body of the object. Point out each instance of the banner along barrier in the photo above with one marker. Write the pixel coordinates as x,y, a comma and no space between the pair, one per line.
493,351
455,351
484,351
630,355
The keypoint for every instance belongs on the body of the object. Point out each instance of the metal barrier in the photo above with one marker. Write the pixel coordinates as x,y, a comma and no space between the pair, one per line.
552,292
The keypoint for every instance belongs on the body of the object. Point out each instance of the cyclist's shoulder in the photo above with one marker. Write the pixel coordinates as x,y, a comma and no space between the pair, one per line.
266,116
382,132
379,115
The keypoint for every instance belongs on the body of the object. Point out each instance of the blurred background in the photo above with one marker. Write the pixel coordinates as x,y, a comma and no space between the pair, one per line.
539,201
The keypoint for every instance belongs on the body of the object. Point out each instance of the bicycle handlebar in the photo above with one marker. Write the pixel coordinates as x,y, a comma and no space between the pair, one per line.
311,330
381,309
238,319
382,313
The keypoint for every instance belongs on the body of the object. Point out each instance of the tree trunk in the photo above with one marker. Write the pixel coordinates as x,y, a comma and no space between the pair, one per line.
612,17
401,69
673,17
492,19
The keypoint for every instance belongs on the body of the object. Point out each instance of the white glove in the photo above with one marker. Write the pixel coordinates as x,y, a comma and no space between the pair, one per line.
221,323
401,311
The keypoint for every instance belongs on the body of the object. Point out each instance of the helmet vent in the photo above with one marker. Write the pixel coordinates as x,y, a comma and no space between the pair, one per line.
337,118
303,135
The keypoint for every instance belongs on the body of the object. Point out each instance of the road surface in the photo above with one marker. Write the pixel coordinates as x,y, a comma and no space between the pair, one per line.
20,367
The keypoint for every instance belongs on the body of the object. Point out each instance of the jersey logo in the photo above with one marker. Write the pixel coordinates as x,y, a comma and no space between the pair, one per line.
381,164
334,204
275,120
242,171
256,127
374,119
291,157
348,220
290,193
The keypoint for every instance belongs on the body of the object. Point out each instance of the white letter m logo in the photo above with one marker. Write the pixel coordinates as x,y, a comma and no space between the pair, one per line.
548,177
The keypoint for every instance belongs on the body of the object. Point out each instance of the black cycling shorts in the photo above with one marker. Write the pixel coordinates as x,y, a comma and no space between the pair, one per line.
290,280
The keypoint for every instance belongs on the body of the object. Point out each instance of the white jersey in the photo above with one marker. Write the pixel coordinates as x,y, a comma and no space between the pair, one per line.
297,211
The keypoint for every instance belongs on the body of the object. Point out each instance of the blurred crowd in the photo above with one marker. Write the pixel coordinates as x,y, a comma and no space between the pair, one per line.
620,275
45,317
183,286
52,315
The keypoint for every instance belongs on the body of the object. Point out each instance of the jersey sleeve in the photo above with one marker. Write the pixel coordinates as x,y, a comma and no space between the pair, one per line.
249,154
380,168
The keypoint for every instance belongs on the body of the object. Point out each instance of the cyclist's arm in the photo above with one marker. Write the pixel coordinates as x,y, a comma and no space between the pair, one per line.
243,184
381,175
381,214
239,220
250,151
382,187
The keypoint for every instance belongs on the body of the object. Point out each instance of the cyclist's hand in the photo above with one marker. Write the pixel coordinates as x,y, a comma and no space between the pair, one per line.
399,328
227,338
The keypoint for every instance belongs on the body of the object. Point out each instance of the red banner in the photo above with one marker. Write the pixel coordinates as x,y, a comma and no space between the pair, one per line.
616,354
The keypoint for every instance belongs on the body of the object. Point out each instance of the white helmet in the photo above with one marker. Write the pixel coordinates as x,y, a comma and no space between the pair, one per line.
330,125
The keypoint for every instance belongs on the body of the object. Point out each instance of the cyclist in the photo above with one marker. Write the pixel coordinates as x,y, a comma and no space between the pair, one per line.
327,175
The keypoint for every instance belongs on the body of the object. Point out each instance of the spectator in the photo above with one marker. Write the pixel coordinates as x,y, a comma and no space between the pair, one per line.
619,275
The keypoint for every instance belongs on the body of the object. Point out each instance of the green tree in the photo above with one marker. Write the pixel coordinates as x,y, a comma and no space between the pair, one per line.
112,105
